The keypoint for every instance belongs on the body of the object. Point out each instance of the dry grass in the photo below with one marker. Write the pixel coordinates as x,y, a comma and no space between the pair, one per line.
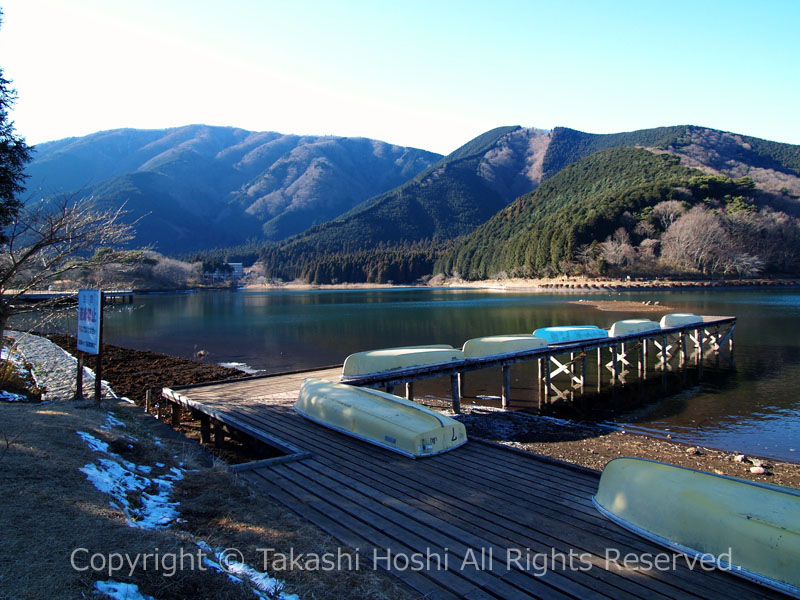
48,509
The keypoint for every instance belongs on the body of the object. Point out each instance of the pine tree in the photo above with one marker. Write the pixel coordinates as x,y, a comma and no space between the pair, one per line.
14,155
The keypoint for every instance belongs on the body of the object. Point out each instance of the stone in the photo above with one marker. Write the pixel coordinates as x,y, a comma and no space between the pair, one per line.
758,470
740,458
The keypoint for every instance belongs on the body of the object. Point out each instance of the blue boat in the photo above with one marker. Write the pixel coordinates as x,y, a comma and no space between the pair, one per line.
563,334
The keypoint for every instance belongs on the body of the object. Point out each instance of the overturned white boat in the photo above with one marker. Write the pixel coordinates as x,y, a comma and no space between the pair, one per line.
679,320
747,528
501,344
631,326
379,418
392,359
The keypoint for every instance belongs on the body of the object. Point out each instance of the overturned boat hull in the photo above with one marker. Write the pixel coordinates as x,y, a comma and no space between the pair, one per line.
379,418
679,320
501,344
631,326
570,333
392,359
747,528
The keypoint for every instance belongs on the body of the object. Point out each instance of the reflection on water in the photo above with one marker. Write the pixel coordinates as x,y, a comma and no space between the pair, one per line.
752,409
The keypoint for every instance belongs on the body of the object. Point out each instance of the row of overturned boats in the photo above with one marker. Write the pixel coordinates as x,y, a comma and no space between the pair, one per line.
750,529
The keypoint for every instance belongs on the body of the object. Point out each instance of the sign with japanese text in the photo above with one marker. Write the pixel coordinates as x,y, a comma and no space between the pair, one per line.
89,320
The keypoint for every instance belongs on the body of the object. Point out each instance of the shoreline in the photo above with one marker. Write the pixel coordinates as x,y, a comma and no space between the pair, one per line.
133,371
577,285
561,285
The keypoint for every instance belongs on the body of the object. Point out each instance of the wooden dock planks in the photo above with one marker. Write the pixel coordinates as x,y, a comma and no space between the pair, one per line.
478,508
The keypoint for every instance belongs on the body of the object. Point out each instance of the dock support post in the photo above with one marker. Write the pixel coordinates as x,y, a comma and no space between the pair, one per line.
615,363
599,370
583,372
644,358
539,380
700,348
147,401
205,429
664,350
390,389
410,391
456,395
219,435
684,353
462,384
506,394
547,389
175,417
639,359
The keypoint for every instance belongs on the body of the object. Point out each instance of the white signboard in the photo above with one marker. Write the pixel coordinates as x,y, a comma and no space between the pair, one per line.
89,310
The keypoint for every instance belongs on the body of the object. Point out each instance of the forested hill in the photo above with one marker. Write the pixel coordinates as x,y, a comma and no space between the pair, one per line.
449,199
633,210
198,186
470,185
710,149
420,219
363,210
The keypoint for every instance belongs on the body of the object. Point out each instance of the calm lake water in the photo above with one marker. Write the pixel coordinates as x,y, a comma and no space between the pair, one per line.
753,408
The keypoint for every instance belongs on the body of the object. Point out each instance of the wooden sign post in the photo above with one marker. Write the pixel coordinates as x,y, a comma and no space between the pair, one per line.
90,337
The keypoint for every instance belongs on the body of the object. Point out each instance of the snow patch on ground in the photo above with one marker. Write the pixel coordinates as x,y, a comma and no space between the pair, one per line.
263,586
120,591
11,397
112,421
19,366
244,367
144,499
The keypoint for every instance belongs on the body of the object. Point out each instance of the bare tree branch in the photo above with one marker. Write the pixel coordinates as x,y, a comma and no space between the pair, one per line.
52,237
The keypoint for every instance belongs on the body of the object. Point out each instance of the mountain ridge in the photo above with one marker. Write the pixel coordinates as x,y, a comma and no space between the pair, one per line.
227,176
309,197
475,173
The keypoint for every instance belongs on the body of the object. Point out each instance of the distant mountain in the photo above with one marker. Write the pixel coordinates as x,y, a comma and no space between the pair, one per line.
581,203
609,187
774,167
467,187
448,199
454,200
358,209
197,187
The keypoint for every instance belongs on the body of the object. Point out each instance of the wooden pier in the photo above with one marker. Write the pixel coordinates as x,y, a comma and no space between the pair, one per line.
484,521
658,350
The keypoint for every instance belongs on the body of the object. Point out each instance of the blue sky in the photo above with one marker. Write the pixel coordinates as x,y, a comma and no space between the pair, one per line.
430,74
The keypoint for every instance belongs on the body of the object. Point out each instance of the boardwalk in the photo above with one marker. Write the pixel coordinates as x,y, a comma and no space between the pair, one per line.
483,521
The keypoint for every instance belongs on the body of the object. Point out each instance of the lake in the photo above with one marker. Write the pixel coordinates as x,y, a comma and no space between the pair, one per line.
753,408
